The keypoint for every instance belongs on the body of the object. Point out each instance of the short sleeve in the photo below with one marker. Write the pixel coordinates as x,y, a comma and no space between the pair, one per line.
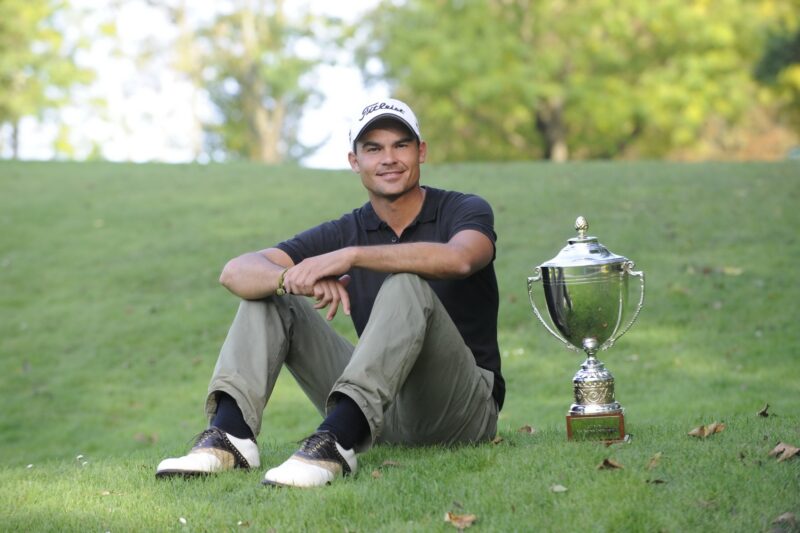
314,241
469,211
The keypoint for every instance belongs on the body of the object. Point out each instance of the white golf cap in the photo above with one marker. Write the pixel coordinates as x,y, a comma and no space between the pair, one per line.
388,108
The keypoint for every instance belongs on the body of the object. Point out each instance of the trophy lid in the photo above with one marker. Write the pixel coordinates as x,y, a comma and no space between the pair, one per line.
583,250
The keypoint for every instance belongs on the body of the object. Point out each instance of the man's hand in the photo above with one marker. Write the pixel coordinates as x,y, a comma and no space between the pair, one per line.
332,292
324,278
304,276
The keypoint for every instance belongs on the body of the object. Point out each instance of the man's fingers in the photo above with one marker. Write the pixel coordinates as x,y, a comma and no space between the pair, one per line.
322,296
341,289
332,311
331,293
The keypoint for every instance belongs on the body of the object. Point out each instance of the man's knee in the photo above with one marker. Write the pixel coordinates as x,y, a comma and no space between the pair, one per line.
404,281
282,304
405,289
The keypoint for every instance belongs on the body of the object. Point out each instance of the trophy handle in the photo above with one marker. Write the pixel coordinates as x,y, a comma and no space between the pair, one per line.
627,268
531,280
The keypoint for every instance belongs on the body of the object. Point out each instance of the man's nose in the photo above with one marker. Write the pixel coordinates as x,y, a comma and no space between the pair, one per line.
389,156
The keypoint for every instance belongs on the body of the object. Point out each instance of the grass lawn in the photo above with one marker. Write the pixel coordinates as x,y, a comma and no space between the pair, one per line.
111,318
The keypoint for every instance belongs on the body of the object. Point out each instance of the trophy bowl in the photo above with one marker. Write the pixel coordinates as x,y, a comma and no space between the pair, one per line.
585,292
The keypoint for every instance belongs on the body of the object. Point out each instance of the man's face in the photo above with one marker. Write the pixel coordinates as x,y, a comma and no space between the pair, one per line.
388,158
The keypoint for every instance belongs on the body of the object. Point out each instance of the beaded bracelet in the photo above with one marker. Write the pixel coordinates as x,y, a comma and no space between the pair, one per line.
280,291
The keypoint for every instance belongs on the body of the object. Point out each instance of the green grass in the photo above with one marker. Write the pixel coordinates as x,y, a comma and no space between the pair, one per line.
111,318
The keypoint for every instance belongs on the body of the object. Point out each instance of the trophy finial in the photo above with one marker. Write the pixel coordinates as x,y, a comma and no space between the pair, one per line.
581,225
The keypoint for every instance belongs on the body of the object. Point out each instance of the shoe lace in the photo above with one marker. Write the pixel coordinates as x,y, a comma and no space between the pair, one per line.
200,437
315,441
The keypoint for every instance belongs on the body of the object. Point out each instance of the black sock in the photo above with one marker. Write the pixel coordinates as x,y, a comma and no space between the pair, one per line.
229,417
347,423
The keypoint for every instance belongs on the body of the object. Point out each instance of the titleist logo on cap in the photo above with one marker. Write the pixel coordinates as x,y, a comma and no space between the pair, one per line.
377,107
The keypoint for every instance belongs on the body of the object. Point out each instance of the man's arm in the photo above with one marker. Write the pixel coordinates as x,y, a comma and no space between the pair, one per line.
255,275
464,254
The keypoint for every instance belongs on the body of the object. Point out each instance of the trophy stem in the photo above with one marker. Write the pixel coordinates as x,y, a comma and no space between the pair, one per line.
593,385
595,415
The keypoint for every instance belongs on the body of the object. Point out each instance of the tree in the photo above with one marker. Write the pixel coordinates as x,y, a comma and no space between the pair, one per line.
779,66
245,57
257,80
521,79
37,69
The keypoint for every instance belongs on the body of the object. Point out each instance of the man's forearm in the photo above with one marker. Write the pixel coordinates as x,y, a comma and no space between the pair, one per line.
251,276
427,259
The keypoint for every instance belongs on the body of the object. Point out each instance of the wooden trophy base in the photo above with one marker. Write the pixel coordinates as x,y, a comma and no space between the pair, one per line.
602,427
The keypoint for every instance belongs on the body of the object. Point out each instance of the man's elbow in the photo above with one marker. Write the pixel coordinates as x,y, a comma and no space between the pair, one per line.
228,274
463,269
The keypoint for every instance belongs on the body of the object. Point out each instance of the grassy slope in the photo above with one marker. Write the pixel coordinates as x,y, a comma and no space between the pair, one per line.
110,319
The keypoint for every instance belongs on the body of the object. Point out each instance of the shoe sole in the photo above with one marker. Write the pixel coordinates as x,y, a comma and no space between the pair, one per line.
275,484
196,473
182,473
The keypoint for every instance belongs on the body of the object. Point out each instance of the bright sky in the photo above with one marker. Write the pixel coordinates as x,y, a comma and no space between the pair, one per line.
149,114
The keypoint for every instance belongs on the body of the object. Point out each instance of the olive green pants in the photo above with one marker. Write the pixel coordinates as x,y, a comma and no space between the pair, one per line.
410,373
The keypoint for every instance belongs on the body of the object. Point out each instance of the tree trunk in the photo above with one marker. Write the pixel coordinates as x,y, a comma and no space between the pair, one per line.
264,125
550,123
15,139
265,129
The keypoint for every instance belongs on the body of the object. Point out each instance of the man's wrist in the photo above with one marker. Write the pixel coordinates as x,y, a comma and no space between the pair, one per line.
281,290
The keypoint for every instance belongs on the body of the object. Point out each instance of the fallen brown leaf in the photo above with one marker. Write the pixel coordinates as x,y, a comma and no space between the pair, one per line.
699,431
376,474
461,521
788,453
526,429
784,451
786,519
609,464
763,412
497,440
777,450
654,461
705,431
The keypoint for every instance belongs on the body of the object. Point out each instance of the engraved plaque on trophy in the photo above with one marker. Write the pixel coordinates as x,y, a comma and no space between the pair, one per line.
584,290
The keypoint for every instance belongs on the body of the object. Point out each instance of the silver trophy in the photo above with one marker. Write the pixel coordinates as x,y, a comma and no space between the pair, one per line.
585,291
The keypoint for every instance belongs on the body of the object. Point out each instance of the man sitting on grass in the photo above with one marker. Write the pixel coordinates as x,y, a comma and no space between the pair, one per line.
413,267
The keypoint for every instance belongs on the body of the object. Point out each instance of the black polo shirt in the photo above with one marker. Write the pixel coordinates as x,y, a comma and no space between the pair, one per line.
472,303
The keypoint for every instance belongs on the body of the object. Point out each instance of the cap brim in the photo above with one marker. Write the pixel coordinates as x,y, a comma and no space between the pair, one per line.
393,116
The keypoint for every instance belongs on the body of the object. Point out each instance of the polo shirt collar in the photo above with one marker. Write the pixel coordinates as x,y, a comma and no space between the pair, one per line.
428,213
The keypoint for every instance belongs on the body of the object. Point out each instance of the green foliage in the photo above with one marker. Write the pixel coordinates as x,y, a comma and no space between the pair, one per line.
253,74
36,69
111,318
779,66
520,79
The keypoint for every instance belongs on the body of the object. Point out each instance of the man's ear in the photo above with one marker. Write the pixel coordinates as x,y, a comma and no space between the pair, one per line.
351,157
423,151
